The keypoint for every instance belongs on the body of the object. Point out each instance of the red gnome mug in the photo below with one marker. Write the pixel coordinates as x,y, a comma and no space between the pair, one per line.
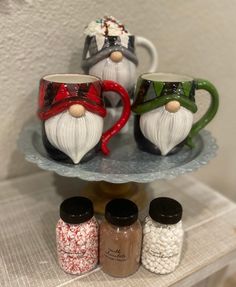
72,111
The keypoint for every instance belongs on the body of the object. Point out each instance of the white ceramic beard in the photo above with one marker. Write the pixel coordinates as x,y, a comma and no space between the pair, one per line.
74,136
165,129
123,72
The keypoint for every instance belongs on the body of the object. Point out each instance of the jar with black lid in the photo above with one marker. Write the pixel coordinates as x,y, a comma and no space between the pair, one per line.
77,236
162,236
120,238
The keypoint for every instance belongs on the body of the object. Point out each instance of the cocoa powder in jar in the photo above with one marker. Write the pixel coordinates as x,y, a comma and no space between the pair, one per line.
120,238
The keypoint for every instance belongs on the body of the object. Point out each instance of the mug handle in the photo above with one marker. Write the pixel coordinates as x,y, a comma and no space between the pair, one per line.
149,46
106,136
201,84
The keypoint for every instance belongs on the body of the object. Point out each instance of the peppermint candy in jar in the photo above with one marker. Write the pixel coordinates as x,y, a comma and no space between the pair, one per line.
77,236
162,236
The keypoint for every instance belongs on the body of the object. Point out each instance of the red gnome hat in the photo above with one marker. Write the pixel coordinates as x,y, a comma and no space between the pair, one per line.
54,98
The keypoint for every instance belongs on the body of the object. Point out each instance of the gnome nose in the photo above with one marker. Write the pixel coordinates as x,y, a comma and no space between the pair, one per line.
116,56
172,106
76,110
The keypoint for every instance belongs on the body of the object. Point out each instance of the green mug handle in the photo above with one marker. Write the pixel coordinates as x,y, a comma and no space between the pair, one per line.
210,113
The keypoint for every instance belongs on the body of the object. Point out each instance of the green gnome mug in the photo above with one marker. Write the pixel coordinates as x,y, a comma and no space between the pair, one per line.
164,105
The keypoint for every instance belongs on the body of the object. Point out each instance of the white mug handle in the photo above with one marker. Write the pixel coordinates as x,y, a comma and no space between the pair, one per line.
149,46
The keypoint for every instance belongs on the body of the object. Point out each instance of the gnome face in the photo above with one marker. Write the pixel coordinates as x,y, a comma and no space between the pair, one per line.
122,72
109,54
166,129
74,131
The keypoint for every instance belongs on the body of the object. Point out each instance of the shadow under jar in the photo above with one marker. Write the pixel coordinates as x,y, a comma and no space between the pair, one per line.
120,238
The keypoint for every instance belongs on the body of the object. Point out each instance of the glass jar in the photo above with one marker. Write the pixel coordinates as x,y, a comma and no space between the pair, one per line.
77,236
162,236
120,238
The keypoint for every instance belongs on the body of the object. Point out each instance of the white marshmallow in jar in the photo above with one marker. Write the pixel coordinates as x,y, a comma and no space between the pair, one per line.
162,236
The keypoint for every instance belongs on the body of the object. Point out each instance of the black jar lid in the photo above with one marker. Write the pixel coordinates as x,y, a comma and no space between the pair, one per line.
76,210
165,210
121,212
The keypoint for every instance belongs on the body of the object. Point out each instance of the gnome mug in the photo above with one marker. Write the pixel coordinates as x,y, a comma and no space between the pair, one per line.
109,53
164,105
72,110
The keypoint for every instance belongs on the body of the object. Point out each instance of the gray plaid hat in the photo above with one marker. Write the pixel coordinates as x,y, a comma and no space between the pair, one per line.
92,54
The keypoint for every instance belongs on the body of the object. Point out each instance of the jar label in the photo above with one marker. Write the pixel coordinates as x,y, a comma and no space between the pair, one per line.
115,254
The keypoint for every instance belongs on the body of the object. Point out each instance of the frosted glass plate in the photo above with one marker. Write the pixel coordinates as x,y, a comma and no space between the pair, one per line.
125,163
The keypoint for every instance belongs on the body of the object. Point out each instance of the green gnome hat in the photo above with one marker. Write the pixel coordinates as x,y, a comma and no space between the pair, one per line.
150,95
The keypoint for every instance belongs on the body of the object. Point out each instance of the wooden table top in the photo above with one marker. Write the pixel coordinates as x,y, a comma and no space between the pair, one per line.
29,212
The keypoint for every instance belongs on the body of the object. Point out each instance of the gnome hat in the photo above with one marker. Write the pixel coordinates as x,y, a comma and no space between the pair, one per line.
55,97
105,36
150,95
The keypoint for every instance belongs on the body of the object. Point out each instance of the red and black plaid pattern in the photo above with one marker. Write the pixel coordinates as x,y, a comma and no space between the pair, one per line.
54,98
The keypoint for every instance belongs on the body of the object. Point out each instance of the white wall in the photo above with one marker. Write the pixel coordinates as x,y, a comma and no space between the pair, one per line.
41,36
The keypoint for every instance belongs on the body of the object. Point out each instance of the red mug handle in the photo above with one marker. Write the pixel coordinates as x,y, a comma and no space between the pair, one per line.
106,136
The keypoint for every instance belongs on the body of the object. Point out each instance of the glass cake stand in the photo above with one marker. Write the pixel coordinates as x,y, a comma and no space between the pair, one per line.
125,171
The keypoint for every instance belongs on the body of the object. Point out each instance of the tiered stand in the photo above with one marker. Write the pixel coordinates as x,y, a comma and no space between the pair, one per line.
125,172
